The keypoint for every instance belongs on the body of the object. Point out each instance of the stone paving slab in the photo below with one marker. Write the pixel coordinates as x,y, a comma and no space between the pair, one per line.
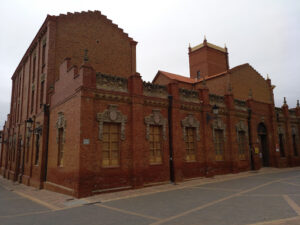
59,201
239,211
227,199
288,221
166,204
19,205
52,199
277,188
237,184
190,183
84,215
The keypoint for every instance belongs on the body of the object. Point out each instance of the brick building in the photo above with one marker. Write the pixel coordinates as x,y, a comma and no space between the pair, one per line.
1,140
84,122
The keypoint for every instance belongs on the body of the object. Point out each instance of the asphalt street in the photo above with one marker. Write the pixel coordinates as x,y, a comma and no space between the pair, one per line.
271,198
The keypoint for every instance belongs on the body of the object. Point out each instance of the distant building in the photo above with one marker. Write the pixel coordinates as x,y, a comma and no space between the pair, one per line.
1,140
82,121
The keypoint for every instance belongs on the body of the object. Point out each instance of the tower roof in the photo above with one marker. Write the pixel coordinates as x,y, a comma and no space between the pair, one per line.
209,45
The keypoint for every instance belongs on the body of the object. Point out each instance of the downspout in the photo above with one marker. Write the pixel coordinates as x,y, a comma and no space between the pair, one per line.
46,111
172,177
250,137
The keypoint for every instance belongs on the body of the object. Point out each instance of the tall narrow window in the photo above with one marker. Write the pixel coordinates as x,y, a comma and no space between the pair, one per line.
242,145
190,144
155,144
9,153
28,135
33,68
14,147
42,93
198,74
18,111
37,149
295,145
219,144
281,144
32,101
10,149
60,147
13,154
110,148
43,56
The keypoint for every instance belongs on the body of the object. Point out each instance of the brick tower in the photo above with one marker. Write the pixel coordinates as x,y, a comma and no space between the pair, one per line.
207,59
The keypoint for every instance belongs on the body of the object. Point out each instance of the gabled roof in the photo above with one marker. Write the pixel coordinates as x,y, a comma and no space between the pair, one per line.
185,79
174,76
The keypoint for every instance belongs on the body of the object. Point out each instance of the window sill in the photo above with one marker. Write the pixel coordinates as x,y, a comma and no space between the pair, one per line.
190,161
155,164
110,167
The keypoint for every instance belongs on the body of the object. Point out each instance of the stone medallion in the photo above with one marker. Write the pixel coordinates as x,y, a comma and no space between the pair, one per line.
191,120
113,115
156,118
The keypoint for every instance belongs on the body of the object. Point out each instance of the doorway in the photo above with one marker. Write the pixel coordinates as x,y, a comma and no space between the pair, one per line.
263,144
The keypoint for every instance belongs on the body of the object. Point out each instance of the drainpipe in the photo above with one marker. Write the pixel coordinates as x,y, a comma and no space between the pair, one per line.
172,177
47,115
250,137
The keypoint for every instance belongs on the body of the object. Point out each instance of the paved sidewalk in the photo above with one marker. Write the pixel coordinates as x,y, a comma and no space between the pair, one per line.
57,201
267,197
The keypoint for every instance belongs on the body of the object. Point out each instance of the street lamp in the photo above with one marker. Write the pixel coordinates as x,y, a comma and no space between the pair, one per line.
215,110
29,123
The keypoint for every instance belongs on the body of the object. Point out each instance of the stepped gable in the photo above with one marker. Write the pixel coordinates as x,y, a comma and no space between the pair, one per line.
98,14
43,30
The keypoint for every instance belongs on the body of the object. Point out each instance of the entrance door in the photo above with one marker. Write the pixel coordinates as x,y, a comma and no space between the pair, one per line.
263,141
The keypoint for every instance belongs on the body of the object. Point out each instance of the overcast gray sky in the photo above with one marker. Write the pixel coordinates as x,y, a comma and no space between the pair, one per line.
264,33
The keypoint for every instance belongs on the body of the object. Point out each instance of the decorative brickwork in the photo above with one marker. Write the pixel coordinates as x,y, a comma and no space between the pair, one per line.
111,115
125,133
156,118
240,105
190,121
154,90
241,126
111,83
216,100
61,123
189,95
281,130
218,124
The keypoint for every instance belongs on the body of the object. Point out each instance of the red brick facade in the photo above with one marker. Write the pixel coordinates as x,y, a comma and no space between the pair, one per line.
95,126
